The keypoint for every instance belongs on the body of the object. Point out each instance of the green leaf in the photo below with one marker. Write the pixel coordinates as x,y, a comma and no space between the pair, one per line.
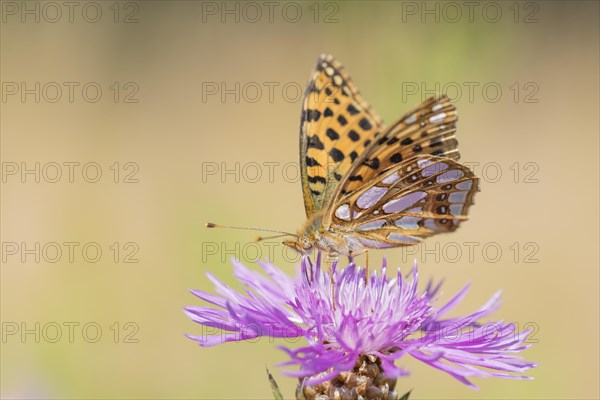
405,397
274,387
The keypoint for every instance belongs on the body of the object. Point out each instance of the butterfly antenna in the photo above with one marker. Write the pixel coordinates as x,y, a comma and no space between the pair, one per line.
211,225
261,238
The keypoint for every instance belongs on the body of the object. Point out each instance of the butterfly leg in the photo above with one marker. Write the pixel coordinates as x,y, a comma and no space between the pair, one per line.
332,281
366,266
366,253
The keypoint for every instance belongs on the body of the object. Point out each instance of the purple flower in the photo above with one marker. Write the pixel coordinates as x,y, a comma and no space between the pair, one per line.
343,317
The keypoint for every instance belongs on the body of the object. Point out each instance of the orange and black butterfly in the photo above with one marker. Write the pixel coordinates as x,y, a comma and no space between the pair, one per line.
367,185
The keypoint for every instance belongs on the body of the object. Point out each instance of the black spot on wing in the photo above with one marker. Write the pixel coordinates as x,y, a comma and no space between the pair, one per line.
332,134
353,135
315,143
353,156
355,178
342,120
336,154
406,141
313,115
364,124
311,162
315,179
396,158
372,163
352,110
328,112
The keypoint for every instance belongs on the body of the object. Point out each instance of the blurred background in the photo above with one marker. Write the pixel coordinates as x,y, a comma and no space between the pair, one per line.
127,125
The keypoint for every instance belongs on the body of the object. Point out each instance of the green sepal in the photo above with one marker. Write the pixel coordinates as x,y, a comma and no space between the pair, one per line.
274,387
406,395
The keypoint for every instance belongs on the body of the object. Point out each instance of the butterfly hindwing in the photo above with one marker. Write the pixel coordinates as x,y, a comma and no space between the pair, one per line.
406,203
337,125
429,129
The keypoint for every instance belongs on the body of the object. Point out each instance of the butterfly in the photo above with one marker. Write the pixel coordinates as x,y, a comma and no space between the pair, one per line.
370,186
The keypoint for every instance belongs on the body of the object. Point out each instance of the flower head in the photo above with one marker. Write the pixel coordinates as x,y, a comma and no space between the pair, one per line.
346,317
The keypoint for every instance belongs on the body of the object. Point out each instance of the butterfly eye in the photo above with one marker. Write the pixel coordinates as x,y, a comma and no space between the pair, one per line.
305,242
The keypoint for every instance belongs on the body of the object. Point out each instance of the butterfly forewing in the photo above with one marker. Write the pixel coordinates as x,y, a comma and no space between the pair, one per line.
407,202
337,125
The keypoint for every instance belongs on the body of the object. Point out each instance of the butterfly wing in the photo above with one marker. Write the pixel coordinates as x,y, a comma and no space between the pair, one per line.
406,203
428,129
336,127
